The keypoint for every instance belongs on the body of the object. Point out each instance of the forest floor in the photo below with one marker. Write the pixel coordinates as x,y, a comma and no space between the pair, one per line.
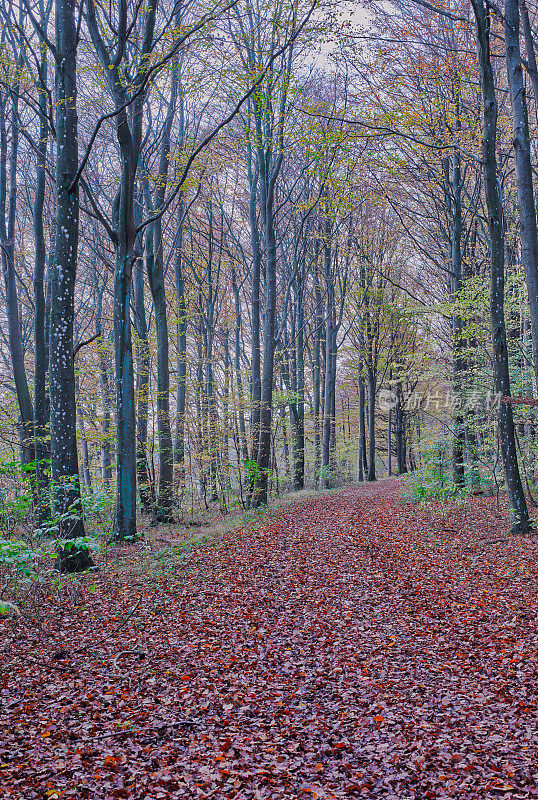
197,522
352,645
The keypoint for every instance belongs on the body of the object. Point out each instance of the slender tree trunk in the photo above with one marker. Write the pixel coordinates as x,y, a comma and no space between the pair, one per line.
226,428
371,425
106,454
84,450
200,402
521,141
181,339
266,405
104,384
458,443
125,512
330,363
362,469
519,517
238,376
531,65
299,438
164,430
164,509
212,421
8,200
316,385
41,400
255,315
285,445
131,96
401,448
146,490
332,440
389,444
64,456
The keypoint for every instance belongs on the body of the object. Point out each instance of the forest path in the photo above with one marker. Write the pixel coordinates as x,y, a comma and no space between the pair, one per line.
353,646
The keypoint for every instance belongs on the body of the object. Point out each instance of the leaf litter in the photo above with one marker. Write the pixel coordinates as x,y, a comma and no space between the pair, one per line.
351,646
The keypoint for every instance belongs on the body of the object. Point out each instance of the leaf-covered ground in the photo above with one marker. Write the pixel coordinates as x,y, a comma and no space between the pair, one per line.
354,646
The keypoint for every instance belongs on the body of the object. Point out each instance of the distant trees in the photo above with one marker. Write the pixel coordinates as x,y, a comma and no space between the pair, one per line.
218,248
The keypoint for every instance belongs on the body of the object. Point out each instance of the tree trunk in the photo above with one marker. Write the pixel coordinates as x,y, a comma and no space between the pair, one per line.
155,268
181,340
238,377
164,510
361,460
521,141
255,314
285,445
8,202
531,65
106,399
401,445
389,444
125,512
316,386
146,490
266,403
128,100
330,364
371,425
84,450
458,444
41,400
519,517
65,475
299,436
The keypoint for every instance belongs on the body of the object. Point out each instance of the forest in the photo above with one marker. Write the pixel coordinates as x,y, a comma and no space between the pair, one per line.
268,390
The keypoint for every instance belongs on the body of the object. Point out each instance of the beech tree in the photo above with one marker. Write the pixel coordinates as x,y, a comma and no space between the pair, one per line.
220,245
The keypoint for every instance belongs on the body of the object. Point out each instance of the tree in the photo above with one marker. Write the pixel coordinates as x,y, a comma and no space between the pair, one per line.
63,428
519,516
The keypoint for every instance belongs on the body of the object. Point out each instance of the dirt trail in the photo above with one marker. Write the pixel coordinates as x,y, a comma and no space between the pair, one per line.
350,648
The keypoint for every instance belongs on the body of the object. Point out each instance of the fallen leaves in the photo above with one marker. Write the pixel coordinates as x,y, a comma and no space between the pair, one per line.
332,653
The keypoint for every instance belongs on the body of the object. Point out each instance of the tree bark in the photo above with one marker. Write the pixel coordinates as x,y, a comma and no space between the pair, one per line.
362,462
519,518
8,202
104,385
164,510
181,345
330,362
299,437
253,178
64,456
146,490
41,399
316,385
401,444
458,444
521,141
266,401
128,104
237,366
371,377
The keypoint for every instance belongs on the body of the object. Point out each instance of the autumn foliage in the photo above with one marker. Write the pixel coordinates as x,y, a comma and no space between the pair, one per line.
350,646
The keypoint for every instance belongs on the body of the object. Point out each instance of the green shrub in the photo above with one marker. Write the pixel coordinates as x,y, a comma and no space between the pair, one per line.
433,480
